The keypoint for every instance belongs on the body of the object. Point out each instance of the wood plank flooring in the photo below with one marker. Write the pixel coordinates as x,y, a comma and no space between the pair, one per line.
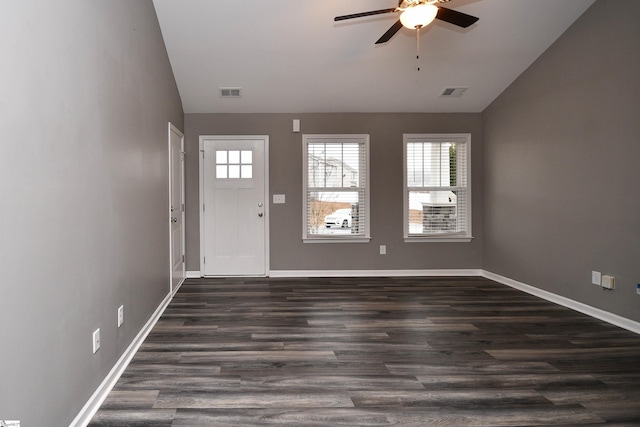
375,352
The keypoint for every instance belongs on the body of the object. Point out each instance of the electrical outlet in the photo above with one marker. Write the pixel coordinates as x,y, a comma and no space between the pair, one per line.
383,249
96,340
120,315
596,278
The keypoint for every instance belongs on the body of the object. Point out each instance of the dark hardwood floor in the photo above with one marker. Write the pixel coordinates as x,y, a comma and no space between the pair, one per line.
375,352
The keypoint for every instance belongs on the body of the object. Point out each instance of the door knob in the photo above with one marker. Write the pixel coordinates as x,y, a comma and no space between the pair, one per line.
174,219
260,214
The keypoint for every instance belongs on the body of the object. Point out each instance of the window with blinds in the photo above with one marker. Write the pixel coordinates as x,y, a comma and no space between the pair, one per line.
336,187
437,192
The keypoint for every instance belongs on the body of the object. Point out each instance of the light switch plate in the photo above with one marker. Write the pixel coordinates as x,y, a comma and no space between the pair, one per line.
96,340
120,315
608,282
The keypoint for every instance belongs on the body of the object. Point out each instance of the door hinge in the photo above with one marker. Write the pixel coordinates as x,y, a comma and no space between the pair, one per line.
183,207
182,257
204,259
203,207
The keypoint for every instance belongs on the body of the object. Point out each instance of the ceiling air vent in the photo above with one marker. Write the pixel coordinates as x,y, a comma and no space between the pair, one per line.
231,92
453,92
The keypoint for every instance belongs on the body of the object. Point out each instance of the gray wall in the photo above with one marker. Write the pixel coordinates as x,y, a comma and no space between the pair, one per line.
87,91
288,252
562,175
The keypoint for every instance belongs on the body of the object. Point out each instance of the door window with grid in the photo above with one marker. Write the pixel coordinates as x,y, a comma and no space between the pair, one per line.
437,196
336,188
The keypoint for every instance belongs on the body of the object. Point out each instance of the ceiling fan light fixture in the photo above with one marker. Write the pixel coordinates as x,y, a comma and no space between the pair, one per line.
418,16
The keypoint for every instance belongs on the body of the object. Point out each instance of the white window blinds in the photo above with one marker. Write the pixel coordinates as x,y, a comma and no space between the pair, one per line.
336,196
437,192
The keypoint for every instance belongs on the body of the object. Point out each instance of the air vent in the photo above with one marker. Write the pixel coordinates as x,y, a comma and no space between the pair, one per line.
453,92
231,92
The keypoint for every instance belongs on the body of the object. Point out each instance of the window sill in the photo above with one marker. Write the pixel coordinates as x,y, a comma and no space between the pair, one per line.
337,240
443,239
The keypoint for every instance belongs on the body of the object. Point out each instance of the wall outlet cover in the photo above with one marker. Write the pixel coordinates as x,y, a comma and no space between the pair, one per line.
596,278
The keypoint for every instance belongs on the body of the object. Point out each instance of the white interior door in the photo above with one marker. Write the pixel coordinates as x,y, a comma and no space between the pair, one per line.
234,209
176,208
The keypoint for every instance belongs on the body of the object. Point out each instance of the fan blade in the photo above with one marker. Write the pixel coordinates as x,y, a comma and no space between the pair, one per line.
390,32
456,18
360,15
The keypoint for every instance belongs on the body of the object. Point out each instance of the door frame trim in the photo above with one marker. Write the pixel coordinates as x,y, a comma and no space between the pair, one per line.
173,128
265,139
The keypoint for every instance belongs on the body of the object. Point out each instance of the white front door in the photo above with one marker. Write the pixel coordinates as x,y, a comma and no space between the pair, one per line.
176,206
233,205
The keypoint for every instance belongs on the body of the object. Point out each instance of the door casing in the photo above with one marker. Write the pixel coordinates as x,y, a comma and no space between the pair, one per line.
265,179
176,210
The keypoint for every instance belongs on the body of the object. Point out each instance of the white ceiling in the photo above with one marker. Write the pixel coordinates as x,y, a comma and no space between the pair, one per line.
290,56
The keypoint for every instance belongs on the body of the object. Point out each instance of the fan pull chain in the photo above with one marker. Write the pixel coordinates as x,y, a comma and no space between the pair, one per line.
418,48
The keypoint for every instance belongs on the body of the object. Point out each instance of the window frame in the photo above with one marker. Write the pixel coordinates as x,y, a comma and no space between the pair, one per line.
362,139
459,138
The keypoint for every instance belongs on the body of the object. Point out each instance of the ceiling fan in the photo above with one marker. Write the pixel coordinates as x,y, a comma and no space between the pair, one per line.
416,14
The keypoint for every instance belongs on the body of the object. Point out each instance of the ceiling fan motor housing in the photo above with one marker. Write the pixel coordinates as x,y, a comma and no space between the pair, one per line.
423,9
405,4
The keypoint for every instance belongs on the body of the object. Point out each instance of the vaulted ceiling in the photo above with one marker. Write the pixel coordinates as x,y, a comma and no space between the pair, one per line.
290,55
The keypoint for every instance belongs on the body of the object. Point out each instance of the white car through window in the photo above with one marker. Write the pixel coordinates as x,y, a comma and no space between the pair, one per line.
339,219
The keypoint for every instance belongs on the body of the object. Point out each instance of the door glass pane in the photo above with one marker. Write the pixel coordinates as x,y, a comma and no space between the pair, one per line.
221,157
246,157
234,157
234,171
234,164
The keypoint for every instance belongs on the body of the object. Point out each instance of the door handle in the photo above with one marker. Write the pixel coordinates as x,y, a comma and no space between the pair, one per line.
174,219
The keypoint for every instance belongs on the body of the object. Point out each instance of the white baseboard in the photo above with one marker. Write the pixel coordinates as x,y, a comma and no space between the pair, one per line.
373,273
606,316
177,288
194,274
97,398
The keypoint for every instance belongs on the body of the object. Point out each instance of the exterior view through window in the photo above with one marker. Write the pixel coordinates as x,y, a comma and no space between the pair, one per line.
335,192
437,196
